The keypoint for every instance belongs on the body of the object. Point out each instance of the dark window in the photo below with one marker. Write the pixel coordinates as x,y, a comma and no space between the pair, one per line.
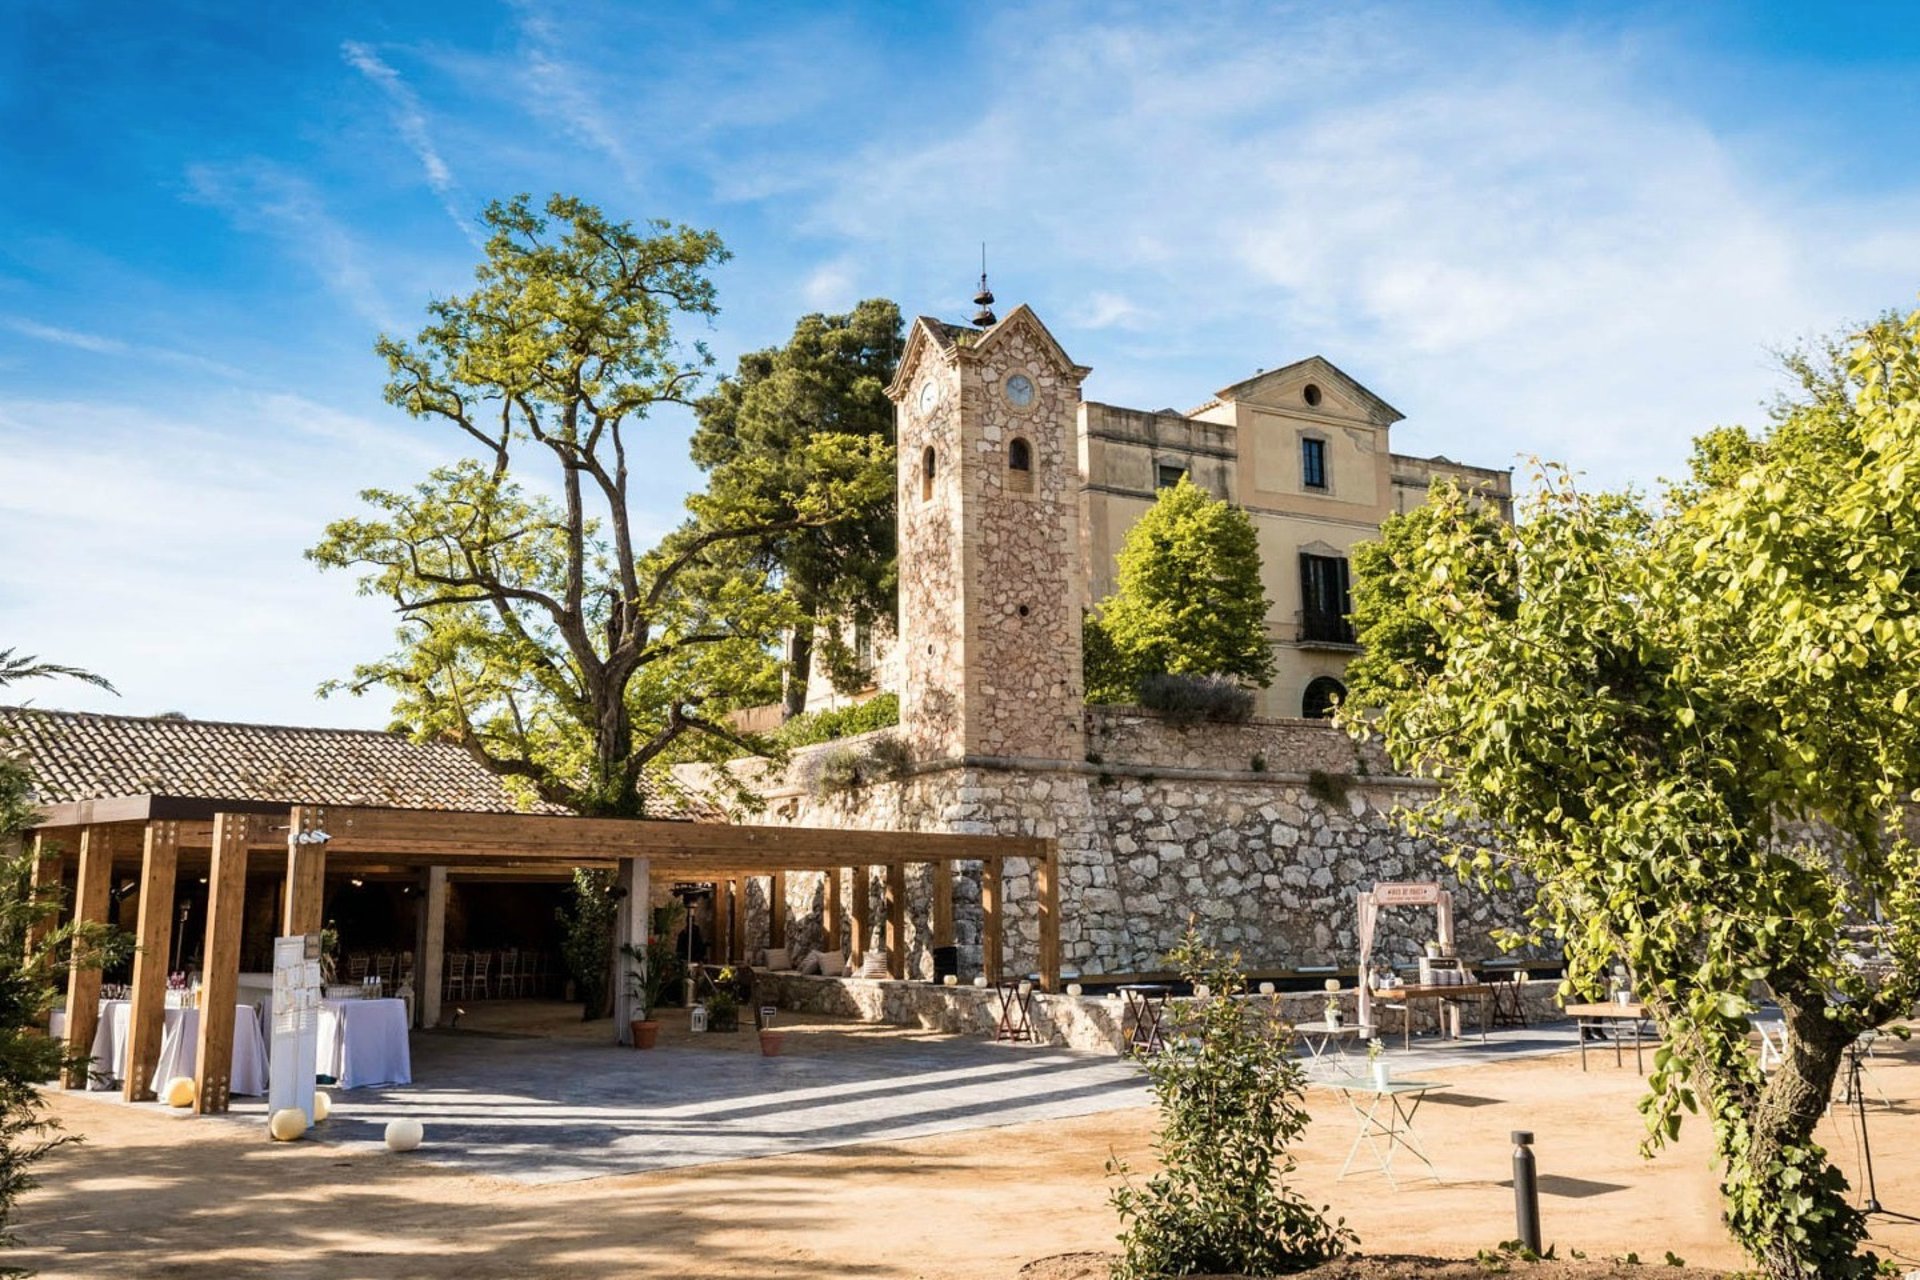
1323,600
1313,463
1168,475
1323,693
1020,455
1311,394
926,472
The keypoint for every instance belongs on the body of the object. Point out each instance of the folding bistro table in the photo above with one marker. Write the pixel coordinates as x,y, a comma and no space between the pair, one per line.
1384,1113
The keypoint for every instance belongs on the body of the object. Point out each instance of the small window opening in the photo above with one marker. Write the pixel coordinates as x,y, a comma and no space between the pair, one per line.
1324,693
1167,475
1313,463
926,472
1023,611
1311,394
1020,455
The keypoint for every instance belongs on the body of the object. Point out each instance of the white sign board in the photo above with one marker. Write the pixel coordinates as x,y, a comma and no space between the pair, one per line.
294,1044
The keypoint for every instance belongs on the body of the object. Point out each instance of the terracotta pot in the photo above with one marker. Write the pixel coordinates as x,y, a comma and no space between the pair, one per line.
773,1043
645,1034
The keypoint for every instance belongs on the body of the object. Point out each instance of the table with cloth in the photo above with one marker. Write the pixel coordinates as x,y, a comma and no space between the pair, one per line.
180,1051
364,1042
110,1040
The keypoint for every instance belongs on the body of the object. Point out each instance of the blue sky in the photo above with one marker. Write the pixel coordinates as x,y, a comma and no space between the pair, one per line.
1548,229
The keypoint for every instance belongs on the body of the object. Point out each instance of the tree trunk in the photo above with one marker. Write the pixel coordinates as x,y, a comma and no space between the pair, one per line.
1785,1201
799,668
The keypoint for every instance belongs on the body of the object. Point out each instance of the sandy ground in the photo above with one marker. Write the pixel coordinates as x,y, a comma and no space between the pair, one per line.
153,1193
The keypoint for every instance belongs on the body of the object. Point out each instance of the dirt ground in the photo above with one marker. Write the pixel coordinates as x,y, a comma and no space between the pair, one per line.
154,1193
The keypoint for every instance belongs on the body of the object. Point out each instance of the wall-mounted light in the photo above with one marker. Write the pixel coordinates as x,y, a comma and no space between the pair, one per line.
357,882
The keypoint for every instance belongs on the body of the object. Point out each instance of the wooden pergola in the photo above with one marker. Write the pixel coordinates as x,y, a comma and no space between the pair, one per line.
165,836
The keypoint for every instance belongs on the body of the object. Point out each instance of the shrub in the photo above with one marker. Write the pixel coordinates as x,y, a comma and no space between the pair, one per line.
882,711
841,769
1191,699
1329,789
1230,1098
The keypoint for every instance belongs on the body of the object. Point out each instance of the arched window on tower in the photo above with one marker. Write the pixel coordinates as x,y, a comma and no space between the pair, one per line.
1019,465
1323,694
926,472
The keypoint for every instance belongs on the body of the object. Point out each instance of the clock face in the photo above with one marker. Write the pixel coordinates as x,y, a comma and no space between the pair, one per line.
1019,391
929,395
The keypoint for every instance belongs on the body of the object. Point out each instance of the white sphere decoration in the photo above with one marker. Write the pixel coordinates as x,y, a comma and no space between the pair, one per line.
179,1092
287,1123
322,1107
404,1135
1074,989
980,981
1266,988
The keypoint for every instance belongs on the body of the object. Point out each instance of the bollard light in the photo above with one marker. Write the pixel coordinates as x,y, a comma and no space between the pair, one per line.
1526,1192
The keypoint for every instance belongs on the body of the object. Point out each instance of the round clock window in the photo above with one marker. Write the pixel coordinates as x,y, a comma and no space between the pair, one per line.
929,395
1019,391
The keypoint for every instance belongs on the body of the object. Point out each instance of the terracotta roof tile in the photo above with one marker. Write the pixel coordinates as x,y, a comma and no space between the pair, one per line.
84,756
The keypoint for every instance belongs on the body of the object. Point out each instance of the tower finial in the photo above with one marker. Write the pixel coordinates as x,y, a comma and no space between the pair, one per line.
984,299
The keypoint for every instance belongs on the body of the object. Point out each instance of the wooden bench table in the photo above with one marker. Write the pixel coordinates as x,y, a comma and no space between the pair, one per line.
1610,1017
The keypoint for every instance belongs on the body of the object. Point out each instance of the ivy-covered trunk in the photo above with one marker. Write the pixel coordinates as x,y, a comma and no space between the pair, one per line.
1785,1202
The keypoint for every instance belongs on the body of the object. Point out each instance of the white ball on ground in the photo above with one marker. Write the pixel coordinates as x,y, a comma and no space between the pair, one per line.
287,1124
322,1107
404,1135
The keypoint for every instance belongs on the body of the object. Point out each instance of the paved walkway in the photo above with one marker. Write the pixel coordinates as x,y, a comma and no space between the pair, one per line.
543,1110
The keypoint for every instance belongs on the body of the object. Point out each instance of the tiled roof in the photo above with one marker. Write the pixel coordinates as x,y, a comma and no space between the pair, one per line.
82,756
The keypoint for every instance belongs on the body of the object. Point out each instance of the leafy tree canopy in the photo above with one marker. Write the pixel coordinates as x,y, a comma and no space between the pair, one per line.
535,630
1686,723
1189,600
816,407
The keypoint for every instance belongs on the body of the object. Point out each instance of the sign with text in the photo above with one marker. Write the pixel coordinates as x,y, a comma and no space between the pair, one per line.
1408,893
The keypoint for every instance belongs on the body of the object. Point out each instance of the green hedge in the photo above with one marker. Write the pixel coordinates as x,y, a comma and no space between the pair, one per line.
881,711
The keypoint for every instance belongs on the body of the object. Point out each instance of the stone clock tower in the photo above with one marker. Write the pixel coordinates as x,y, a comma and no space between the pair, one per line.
989,519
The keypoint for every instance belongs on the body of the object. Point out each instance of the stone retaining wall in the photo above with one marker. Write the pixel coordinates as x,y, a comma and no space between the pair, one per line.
1137,736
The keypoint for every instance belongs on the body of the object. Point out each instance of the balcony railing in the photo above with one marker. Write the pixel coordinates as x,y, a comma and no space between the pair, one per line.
1318,627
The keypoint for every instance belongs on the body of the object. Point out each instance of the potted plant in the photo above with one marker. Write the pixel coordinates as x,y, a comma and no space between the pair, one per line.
723,1006
772,1043
648,979
1375,1048
1334,1014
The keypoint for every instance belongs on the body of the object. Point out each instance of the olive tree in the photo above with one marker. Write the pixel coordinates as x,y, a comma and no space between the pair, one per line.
1686,724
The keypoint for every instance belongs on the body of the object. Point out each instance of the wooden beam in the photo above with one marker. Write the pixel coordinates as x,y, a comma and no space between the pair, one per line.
430,961
737,890
220,972
777,909
941,910
147,1018
862,890
1046,894
306,898
93,887
990,919
897,920
833,913
49,865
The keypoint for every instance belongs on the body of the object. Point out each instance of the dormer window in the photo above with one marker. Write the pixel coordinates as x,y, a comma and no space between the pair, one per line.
1313,462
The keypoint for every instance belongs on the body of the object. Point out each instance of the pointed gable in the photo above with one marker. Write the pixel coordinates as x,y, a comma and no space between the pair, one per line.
1281,388
925,337
1023,319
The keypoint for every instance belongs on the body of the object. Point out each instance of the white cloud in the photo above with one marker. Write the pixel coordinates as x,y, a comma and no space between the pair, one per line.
100,344
410,121
563,90
1514,236
831,286
260,196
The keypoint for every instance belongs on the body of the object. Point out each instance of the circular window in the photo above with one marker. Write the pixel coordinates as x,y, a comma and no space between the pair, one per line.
1019,391
1311,394
1324,693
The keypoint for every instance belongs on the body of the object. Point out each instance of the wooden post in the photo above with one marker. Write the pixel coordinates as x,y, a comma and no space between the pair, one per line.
737,930
897,919
1046,892
220,975
49,864
990,918
306,898
430,963
862,889
92,888
777,909
147,1019
830,921
632,920
941,911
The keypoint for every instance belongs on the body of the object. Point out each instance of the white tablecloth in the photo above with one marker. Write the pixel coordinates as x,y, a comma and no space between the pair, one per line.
110,1040
364,1042
181,1050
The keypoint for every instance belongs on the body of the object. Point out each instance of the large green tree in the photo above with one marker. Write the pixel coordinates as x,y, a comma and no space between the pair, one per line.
1188,600
536,630
764,432
1687,725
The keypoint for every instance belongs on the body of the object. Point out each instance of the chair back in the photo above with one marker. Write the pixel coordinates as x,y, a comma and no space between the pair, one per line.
481,959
